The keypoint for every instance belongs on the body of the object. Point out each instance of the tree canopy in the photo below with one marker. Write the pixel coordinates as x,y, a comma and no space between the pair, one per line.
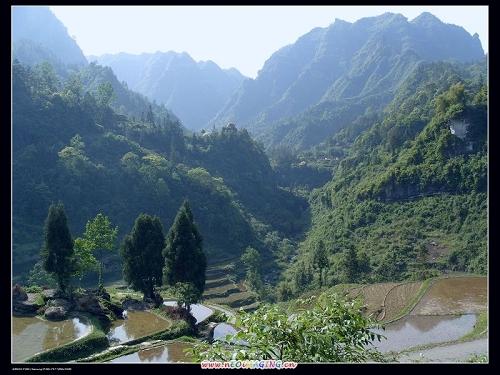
185,260
141,252
57,250
98,236
327,328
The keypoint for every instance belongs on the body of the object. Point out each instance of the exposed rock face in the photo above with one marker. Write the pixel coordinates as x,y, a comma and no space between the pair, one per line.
178,312
23,304
90,303
145,304
55,313
98,303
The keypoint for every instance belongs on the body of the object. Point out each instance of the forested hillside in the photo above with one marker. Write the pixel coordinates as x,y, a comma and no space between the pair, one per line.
408,197
70,146
372,178
194,91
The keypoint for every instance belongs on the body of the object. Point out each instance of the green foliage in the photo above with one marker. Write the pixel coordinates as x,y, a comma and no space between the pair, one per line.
65,147
141,252
389,181
349,265
185,260
252,261
57,251
453,102
320,260
98,236
317,329
405,181
84,260
105,95
185,294
39,277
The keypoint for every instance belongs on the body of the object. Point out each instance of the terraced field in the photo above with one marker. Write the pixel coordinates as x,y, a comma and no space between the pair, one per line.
222,288
386,301
383,301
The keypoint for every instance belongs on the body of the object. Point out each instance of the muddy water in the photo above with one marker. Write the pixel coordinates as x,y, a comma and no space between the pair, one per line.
420,330
172,352
137,324
446,312
32,335
458,295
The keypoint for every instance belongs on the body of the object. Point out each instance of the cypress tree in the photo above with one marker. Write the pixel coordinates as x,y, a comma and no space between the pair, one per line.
185,260
58,247
142,256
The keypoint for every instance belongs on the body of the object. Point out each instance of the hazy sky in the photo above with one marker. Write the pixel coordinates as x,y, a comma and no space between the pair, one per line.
243,37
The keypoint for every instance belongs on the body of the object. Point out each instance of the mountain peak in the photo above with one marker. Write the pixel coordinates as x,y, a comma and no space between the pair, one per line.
427,19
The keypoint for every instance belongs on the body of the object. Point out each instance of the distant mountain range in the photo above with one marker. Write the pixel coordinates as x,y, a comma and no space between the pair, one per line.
194,91
329,76
367,141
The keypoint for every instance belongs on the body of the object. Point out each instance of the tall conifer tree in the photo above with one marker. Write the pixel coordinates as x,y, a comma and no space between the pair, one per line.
57,250
185,260
142,256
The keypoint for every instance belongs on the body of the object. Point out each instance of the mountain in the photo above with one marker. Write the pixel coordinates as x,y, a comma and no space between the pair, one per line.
194,91
333,75
93,159
400,181
190,91
38,36
382,177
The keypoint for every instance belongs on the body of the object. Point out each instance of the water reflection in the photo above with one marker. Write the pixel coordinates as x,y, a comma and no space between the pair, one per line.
200,312
32,335
168,353
223,329
420,330
137,324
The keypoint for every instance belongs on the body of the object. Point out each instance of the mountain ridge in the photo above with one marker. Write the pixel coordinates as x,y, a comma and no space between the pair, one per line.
343,64
389,178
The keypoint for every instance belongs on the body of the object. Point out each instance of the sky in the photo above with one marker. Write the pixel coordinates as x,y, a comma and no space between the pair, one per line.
241,37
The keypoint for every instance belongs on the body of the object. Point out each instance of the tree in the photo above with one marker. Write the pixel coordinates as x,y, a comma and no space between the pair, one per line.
105,95
185,260
453,102
320,260
84,261
142,256
40,277
48,77
327,328
99,236
251,259
73,88
57,250
185,294
349,264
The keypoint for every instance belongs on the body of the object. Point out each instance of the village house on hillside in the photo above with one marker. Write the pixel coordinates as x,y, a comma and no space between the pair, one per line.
458,126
